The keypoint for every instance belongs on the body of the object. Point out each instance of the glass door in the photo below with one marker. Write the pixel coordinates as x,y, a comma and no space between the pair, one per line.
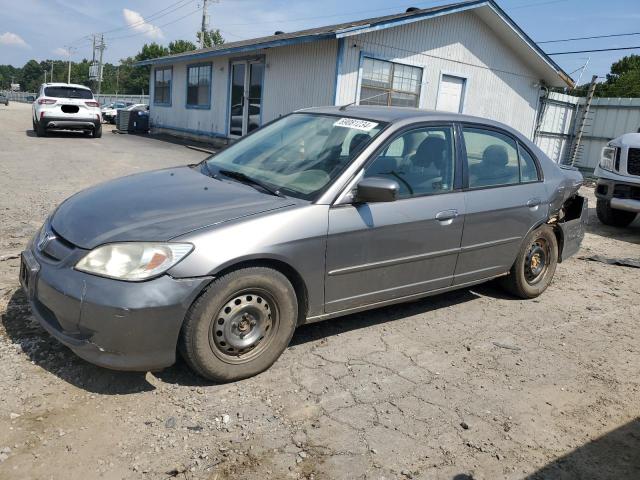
247,78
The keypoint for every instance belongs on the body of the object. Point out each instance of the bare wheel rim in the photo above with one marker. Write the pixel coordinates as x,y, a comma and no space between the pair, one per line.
536,262
244,327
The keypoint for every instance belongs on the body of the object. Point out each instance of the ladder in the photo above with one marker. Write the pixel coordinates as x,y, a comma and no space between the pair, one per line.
577,147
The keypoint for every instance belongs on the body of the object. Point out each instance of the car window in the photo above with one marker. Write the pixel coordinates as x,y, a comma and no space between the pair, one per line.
423,166
528,170
68,92
299,154
492,158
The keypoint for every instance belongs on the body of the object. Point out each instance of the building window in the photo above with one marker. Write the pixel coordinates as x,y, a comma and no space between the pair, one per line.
162,86
388,83
199,86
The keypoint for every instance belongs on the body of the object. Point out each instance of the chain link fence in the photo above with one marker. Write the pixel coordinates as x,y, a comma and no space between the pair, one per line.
29,97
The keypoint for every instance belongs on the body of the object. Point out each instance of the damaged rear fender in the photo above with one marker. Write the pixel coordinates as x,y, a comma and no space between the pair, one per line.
569,225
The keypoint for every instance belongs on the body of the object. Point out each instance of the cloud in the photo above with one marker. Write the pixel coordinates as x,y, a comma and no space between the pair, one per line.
62,52
8,38
138,23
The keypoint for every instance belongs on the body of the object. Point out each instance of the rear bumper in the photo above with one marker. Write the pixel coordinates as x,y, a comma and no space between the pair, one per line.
67,123
110,323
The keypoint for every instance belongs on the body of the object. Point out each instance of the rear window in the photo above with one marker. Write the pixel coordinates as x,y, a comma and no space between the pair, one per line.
68,92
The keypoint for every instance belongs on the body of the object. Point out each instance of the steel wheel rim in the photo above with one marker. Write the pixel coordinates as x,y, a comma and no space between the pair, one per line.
244,327
537,261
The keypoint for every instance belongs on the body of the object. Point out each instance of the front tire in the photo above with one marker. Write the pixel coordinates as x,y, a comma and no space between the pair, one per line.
611,216
535,264
240,325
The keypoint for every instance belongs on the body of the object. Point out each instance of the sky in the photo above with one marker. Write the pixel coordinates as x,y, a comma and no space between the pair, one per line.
49,29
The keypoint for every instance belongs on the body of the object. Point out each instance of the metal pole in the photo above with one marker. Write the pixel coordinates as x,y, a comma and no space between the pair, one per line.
51,70
117,80
45,76
204,26
101,47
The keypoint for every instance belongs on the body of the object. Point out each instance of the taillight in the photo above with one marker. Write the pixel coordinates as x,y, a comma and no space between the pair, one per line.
92,104
46,101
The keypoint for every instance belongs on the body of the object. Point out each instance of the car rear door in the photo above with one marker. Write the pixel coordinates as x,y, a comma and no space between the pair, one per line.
503,202
387,250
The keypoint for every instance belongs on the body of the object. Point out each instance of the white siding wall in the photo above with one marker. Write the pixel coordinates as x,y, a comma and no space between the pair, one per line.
297,76
499,85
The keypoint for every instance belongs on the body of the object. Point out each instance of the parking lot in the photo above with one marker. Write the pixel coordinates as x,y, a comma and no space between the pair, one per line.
472,384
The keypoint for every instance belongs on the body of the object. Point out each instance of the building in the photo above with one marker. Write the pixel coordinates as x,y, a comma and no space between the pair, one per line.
467,57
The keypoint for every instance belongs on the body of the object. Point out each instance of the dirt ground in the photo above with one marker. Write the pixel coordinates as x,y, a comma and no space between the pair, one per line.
468,385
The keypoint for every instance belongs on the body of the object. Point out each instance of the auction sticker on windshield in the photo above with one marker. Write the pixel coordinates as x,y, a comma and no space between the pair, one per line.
355,123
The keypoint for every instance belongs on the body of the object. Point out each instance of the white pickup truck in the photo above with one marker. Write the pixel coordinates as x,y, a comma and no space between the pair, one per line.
618,188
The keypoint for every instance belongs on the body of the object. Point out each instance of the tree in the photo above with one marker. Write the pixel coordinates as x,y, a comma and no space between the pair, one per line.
181,46
622,81
211,38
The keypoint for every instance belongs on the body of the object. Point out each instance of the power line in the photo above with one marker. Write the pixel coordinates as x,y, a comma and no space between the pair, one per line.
159,26
596,50
589,38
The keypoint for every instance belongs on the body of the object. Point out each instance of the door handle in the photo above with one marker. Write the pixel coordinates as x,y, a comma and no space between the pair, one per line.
446,216
533,202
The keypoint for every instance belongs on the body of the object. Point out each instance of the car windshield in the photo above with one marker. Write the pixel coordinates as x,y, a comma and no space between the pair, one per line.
299,155
68,92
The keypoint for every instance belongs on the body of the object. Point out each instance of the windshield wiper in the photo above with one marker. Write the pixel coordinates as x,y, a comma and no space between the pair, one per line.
209,172
242,177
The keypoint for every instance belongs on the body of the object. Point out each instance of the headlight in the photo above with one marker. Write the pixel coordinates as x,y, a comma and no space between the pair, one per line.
607,158
133,261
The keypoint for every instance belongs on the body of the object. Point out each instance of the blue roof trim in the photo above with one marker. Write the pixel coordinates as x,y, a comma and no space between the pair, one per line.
236,50
534,46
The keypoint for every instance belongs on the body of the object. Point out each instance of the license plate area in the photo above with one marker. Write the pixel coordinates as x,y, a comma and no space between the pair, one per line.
70,108
29,269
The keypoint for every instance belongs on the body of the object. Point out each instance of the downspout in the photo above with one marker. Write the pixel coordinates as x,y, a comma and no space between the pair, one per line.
541,107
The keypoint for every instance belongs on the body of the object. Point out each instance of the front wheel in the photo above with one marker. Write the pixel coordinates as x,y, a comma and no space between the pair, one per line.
611,216
240,325
535,264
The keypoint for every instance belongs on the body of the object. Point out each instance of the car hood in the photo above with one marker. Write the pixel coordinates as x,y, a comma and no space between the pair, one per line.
156,206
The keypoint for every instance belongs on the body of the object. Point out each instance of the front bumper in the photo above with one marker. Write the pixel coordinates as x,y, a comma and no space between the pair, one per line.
619,192
111,323
70,123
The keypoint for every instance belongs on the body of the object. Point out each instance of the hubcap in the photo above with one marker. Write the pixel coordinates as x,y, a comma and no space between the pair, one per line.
243,326
536,261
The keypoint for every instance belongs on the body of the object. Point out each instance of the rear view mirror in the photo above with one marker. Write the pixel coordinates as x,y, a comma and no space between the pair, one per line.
376,189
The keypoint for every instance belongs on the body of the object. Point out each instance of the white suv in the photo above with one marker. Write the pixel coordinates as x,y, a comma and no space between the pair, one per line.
65,106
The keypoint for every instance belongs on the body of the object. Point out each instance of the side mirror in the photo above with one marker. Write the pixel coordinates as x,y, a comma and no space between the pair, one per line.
376,189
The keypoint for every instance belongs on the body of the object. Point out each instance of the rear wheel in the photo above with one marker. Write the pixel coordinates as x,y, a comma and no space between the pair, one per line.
535,264
240,325
97,133
611,216
40,129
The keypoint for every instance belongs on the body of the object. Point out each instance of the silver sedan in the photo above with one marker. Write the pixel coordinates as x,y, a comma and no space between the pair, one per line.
322,213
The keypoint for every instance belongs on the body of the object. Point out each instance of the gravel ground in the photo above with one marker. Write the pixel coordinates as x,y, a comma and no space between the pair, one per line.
469,385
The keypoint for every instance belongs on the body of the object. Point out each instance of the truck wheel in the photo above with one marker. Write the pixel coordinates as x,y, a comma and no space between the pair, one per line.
535,264
97,133
240,325
611,216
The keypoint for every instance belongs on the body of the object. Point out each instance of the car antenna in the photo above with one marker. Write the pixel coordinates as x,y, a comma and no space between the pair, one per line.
344,107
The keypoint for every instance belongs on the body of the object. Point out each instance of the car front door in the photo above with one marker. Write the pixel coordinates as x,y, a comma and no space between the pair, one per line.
387,250
504,201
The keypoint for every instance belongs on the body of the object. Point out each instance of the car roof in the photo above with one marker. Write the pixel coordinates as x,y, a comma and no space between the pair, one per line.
397,114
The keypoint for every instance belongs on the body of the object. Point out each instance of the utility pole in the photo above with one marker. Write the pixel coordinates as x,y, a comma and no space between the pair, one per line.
45,76
51,71
101,48
69,61
205,23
